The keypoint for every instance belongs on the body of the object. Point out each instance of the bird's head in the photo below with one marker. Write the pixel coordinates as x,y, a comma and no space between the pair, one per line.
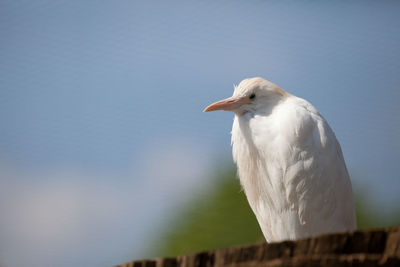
249,96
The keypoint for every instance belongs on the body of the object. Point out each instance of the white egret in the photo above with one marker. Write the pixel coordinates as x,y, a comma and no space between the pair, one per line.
289,162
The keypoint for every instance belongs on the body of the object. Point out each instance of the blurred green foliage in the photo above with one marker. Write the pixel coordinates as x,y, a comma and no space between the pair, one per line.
372,216
220,217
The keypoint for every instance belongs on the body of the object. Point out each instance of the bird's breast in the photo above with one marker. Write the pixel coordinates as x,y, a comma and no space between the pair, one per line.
255,152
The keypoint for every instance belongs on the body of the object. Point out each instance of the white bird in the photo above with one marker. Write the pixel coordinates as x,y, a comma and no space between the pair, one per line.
289,162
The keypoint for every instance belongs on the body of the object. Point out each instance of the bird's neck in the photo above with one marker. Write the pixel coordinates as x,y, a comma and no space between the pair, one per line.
252,142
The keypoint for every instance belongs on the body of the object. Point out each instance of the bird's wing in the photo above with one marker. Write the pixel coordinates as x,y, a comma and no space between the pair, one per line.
315,177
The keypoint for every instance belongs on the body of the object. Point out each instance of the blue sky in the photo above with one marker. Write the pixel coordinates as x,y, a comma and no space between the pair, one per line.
102,130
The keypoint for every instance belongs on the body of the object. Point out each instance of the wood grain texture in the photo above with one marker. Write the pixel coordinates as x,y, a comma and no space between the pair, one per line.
378,247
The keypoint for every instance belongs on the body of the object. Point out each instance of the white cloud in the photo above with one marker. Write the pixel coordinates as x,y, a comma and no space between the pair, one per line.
68,217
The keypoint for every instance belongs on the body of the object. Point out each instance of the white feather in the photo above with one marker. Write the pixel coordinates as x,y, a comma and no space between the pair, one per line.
290,165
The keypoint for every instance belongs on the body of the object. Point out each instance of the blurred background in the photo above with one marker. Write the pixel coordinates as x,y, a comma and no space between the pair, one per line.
105,154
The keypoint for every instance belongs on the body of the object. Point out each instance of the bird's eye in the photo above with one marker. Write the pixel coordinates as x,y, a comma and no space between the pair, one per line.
252,96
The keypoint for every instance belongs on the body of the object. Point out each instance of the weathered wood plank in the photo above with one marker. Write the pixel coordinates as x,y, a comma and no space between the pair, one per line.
377,247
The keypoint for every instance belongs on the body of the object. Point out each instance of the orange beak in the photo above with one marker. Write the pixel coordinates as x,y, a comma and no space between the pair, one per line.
228,104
